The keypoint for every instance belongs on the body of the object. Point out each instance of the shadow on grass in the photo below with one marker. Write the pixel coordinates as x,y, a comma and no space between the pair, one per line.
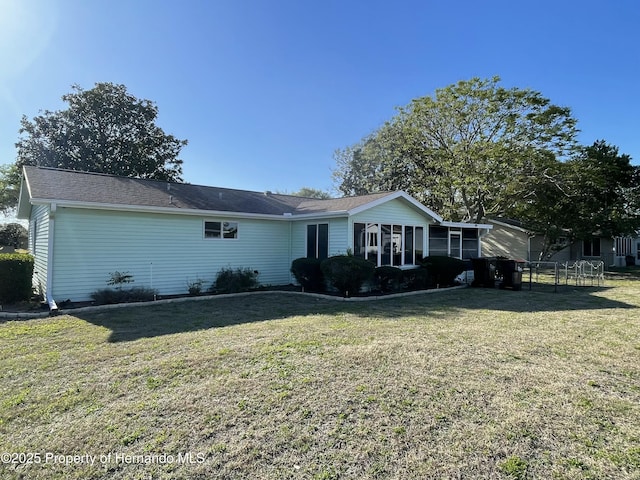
135,322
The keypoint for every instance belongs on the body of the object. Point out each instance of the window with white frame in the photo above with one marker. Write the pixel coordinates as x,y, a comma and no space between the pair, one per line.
388,244
458,242
318,241
220,229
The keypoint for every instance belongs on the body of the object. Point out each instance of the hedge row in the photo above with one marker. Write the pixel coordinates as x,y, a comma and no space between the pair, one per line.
348,274
16,277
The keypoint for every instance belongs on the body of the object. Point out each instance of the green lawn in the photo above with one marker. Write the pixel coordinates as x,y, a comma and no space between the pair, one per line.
468,383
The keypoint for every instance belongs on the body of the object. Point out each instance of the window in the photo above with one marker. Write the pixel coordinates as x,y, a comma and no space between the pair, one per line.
220,229
469,243
387,244
318,241
591,247
438,240
455,244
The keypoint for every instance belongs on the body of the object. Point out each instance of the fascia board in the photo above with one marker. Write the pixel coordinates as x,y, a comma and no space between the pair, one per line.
514,227
466,225
183,211
24,206
165,210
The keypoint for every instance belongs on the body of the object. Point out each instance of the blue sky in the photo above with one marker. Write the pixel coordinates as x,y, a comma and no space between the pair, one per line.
266,91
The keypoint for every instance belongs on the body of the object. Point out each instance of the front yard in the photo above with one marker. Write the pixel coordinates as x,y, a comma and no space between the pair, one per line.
468,383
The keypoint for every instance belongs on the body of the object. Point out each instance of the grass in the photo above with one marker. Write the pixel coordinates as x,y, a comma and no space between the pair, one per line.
468,383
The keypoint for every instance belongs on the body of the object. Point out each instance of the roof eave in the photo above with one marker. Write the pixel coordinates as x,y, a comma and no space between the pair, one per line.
392,196
23,210
466,225
152,209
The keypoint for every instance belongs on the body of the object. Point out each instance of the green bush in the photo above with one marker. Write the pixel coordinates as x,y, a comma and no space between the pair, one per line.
387,278
108,296
308,273
347,273
231,280
417,279
443,270
16,277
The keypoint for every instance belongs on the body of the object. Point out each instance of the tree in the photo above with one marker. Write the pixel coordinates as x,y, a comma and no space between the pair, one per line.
604,192
104,129
13,235
595,192
9,187
467,152
309,192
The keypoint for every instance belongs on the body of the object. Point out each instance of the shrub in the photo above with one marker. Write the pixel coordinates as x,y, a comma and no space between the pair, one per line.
195,286
231,280
16,276
347,273
387,278
443,270
119,279
417,279
308,273
108,296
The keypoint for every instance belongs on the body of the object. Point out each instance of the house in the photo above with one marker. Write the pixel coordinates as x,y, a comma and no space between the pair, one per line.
510,238
82,226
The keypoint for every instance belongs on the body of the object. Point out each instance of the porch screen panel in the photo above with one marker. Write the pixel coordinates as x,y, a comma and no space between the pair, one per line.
396,245
469,243
438,241
359,240
419,242
387,247
372,242
408,246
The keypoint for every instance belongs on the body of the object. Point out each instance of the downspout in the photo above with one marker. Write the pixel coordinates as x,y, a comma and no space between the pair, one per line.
288,215
53,307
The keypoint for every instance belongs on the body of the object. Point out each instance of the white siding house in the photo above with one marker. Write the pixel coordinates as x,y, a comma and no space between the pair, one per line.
83,226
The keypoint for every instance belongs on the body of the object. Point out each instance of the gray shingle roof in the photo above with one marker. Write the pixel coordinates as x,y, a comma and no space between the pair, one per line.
50,184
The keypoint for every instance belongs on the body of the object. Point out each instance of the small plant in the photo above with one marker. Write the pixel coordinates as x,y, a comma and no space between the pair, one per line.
231,280
514,467
308,274
107,296
346,273
118,279
195,287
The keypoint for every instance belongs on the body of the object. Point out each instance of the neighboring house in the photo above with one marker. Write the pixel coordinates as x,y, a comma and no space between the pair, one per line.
625,250
82,226
509,238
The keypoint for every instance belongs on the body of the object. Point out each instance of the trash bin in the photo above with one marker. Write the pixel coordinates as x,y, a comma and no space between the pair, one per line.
484,273
629,260
511,274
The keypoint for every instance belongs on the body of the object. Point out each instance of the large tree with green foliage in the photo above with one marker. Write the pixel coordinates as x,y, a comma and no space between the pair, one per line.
593,193
13,235
104,129
469,151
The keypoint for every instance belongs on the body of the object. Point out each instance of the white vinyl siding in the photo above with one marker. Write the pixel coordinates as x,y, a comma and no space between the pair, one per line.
160,251
337,237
